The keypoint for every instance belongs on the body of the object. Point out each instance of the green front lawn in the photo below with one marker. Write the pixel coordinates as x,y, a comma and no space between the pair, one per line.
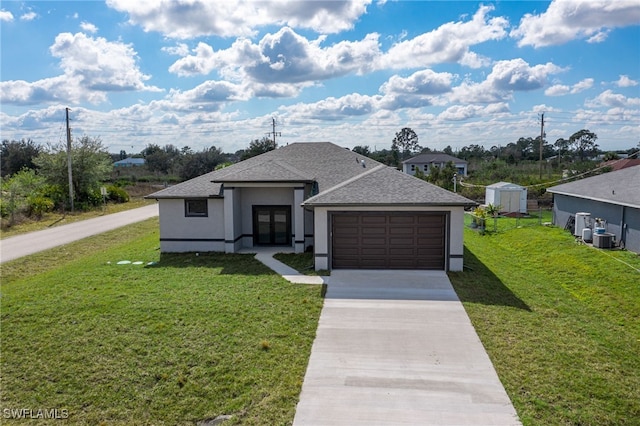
185,339
560,321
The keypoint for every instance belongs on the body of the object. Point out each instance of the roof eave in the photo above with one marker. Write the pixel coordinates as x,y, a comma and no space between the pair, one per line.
601,200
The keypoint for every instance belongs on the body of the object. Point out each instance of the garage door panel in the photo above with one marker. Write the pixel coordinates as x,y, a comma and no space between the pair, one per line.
402,251
373,251
404,219
402,230
371,231
373,220
398,241
388,240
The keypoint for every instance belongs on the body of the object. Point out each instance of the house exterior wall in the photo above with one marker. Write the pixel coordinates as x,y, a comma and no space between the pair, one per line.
179,233
623,222
455,245
460,167
632,229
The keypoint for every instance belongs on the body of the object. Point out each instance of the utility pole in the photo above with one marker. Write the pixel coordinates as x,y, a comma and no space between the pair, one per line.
69,161
541,142
274,133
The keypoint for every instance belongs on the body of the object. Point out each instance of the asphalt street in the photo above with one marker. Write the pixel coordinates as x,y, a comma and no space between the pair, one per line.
33,242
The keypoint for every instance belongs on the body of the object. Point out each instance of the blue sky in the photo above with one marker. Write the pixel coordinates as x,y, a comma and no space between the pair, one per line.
202,73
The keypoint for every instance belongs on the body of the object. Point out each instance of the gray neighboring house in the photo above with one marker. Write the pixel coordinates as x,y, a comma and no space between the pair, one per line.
425,162
130,162
613,196
352,211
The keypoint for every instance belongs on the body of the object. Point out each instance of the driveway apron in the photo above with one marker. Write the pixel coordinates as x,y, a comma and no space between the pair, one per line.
397,348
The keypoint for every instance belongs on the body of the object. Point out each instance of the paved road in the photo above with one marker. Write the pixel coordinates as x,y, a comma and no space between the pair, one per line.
33,242
397,348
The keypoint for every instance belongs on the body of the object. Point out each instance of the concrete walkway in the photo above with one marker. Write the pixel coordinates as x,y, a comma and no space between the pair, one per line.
265,255
23,245
397,348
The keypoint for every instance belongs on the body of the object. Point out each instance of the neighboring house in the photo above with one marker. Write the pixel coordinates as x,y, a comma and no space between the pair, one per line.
622,163
613,196
425,162
352,211
129,162
511,198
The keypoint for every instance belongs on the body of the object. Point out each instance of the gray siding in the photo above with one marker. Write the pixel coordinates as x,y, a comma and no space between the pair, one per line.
632,229
615,215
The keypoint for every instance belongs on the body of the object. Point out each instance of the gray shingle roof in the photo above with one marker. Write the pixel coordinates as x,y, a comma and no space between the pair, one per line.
434,157
339,172
387,186
621,187
323,162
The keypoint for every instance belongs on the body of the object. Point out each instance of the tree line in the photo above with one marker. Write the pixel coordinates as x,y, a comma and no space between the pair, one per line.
35,177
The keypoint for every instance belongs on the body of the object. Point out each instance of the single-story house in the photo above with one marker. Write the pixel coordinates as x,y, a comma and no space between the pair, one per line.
511,197
425,162
130,162
622,163
352,211
613,196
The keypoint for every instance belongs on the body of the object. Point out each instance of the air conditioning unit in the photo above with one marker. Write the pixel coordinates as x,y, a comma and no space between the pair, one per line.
603,240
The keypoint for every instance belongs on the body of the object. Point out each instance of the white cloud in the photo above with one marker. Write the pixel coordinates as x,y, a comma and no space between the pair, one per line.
88,27
518,75
332,109
417,90
567,20
280,58
466,112
561,89
582,85
29,16
180,49
558,90
196,18
92,67
448,43
610,99
6,16
625,81
208,96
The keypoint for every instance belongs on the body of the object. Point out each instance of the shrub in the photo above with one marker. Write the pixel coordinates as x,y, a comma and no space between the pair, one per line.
117,194
37,205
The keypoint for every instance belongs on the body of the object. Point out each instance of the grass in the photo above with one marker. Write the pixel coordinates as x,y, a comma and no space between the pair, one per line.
179,341
51,219
301,262
560,321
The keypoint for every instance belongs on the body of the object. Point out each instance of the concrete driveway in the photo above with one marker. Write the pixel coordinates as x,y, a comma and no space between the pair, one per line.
23,245
397,348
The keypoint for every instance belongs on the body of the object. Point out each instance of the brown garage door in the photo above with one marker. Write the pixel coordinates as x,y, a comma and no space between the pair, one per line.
385,240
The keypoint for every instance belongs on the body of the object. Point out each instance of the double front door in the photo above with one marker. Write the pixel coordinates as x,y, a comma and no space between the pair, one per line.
272,225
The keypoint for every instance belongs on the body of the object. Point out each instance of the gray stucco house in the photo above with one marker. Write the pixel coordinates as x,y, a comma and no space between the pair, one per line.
425,162
613,196
351,210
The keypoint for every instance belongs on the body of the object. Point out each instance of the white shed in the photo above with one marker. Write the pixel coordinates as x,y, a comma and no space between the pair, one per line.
511,197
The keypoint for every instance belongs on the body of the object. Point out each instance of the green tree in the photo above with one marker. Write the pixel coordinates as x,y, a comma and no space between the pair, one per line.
24,194
362,150
405,144
202,162
257,147
16,155
91,165
583,143
161,160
